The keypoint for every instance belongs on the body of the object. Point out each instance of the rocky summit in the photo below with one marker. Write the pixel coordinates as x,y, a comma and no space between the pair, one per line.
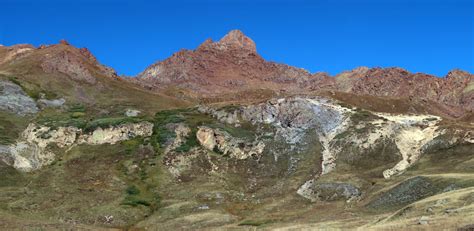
219,138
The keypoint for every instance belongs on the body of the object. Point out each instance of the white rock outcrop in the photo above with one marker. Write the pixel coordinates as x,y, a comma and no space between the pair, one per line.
217,140
116,134
293,117
410,133
31,151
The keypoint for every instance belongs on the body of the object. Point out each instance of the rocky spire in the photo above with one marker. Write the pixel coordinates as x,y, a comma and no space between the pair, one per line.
237,39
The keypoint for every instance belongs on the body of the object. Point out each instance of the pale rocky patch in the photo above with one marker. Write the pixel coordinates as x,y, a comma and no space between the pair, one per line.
13,99
116,134
31,151
215,139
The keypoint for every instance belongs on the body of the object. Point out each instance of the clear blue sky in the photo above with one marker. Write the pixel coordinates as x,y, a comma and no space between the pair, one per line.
419,35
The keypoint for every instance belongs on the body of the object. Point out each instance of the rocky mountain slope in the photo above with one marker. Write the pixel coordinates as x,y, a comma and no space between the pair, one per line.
229,65
219,138
233,65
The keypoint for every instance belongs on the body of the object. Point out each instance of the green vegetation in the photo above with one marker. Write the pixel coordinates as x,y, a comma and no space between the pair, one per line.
162,133
11,126
135,197
10,176
133,201
32,90
240,132
130,146
54,119
77,108
110,122
76,115
132,190
362,115
191,142
342,135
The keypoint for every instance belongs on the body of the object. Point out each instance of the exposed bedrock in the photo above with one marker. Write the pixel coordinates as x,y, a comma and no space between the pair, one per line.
350,135
31,151
13,99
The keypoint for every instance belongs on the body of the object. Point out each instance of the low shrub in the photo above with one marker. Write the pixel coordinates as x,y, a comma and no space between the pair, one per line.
132,190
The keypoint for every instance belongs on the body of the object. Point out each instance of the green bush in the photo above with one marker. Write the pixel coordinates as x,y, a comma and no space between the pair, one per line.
134,201
191,142
132,190
110,122
77,108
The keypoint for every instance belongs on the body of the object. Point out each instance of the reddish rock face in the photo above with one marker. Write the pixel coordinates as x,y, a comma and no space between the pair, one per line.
77,64
229,65
233,65
456,89
237,40
64,42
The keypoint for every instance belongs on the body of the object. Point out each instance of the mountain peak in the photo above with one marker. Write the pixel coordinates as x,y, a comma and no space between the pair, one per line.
237,39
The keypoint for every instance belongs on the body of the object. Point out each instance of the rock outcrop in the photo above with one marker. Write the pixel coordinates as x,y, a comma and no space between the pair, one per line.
294,117
55,103
235,39
13,99
11,53
182,132
455,89
221,115
344,133
32,150
116,134
411,133
328,191
221,142
132,112
70,65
